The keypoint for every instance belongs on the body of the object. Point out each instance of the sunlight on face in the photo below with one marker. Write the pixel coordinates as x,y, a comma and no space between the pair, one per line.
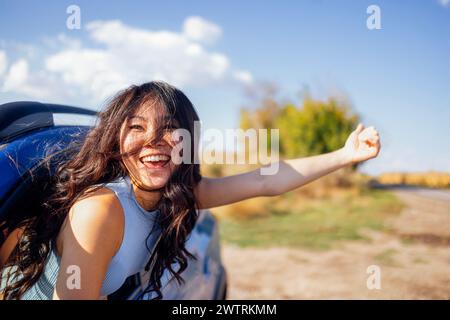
148,162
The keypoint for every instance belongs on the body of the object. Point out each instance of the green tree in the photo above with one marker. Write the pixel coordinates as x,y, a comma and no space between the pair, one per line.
313,128
317,127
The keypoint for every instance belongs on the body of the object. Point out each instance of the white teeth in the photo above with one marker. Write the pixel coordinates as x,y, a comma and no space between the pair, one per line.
158,157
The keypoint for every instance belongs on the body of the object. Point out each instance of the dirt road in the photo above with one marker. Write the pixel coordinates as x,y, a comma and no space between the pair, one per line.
414,260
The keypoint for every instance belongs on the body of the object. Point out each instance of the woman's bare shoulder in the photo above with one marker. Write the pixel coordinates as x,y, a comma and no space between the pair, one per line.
96,215
101,203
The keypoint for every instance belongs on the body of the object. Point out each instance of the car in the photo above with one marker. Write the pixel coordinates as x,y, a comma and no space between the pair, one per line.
29,131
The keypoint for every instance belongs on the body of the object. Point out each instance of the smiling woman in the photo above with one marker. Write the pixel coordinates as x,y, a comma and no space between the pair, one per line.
149,164
86,222
123,184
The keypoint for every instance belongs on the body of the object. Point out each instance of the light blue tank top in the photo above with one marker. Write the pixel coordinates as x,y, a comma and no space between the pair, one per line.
141,233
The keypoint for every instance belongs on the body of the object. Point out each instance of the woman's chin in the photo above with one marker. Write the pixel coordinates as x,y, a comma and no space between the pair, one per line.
154,185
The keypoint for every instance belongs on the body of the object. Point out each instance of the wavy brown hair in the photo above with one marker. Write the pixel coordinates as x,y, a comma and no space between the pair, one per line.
97,161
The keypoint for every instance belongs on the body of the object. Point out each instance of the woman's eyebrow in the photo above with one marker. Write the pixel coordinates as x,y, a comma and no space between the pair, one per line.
167,119
170,122
138,117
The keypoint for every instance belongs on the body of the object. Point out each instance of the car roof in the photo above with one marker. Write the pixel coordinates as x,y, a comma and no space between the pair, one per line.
17,118
29,131
19,157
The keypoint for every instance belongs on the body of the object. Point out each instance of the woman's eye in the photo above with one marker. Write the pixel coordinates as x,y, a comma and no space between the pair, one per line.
136,127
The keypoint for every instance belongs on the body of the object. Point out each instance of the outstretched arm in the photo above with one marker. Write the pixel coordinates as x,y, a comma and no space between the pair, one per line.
362,144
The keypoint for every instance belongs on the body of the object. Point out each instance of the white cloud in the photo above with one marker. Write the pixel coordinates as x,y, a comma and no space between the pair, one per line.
62,41
40,85
243,76
94,72
125,55
3,62
18,48
201,30
17,76
444,3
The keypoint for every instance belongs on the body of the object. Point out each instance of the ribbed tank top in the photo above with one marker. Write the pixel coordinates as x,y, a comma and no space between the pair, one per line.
141,233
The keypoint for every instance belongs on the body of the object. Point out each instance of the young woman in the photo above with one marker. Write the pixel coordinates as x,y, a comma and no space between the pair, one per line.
121,192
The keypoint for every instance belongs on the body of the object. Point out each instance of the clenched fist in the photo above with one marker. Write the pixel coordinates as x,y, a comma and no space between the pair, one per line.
362,144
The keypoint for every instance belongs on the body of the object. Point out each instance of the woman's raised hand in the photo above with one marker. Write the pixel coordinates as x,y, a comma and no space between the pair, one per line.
362,144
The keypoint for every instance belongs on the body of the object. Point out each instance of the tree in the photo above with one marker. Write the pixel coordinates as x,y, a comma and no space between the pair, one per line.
313,128
317,127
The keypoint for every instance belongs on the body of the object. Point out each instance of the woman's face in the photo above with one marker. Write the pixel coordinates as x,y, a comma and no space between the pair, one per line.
151,165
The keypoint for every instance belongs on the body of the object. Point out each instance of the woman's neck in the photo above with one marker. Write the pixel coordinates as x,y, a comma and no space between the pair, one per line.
147,200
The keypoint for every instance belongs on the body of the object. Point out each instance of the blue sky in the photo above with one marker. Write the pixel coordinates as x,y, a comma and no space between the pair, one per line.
397,78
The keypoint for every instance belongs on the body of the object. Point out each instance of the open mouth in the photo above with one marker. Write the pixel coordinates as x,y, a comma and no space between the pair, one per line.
155,161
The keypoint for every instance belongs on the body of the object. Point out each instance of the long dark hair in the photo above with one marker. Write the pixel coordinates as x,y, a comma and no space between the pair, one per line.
98,161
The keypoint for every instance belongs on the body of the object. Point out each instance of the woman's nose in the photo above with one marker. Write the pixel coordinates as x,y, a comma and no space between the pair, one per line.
156,141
